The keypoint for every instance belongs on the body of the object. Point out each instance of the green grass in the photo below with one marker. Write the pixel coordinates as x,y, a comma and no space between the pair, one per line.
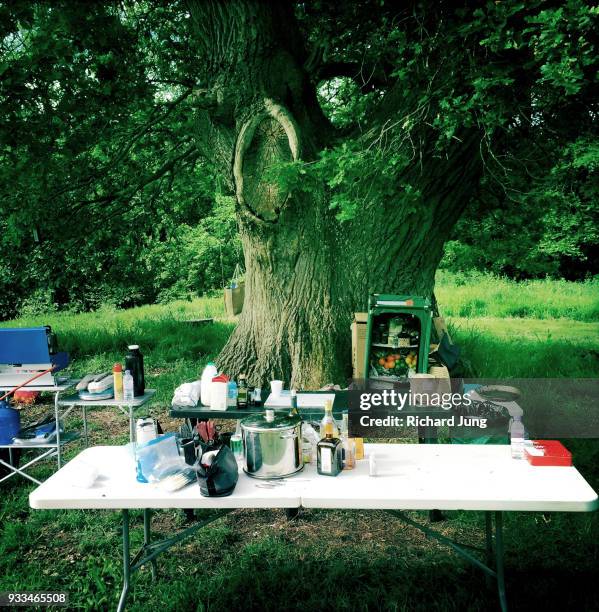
485,295
256,559
174,350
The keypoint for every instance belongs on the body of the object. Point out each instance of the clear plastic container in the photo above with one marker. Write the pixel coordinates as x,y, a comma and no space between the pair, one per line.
517,438
237,445
128,389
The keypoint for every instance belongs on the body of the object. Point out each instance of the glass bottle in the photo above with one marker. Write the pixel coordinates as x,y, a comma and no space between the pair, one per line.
329,459
294,411
237,445
242,392
328,425
349,445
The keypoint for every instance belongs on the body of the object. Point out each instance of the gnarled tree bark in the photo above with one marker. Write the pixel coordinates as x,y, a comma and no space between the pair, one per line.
306,273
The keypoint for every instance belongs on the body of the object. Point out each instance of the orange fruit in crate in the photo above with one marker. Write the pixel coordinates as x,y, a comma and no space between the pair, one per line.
382,361
390,364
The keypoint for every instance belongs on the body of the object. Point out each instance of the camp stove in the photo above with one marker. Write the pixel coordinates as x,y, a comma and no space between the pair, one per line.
27,352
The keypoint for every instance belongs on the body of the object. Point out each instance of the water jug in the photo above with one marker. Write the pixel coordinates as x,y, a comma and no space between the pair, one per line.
208,374
10,423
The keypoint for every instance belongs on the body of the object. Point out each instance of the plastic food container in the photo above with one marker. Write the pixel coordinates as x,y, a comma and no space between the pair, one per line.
548,452
219,392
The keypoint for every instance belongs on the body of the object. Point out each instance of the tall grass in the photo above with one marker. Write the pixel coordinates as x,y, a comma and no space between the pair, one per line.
174,350
476,294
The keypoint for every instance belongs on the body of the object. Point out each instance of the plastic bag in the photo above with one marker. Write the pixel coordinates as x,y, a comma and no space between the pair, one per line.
158,458
187,394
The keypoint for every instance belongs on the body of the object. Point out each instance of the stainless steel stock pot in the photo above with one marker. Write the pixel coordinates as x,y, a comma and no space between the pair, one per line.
272,445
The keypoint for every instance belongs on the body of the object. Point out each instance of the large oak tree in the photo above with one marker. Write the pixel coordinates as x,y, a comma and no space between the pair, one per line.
349,136
330,213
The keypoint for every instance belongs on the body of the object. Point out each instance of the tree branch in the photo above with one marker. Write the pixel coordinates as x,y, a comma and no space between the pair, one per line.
129,141
190,155
376,78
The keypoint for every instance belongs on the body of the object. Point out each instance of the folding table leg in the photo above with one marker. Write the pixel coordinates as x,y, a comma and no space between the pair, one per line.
131,425
499,561
84,408
57,420
13,470
148,537
126,563
489,544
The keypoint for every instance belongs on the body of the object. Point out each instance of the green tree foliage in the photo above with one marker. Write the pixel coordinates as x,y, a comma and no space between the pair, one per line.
101,185
104,196
523,74
548,226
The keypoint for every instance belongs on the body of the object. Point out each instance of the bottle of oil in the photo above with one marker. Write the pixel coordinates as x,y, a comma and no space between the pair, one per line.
294,411
329,456
242,392
328,425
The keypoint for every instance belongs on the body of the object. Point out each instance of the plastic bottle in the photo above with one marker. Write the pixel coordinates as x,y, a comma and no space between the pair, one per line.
517,438
237,445
134,362
117,381
218,392
232,394
128,386
208,374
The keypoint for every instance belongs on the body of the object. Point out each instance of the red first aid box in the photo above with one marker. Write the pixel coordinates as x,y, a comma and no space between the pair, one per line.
548,452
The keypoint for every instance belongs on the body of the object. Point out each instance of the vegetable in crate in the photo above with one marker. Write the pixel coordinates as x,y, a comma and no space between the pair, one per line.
411,359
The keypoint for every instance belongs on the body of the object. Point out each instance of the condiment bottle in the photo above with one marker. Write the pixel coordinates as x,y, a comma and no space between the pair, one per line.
117,381
328,425
349,445
242,392
294,409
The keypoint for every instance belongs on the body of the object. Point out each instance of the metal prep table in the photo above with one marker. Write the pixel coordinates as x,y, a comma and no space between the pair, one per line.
47,450
481,478
340,405
126,407
203,413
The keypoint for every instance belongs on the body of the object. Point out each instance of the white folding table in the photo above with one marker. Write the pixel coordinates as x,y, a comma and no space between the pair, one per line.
411,477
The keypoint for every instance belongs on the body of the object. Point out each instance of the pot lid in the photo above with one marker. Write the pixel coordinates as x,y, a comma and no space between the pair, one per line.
270,420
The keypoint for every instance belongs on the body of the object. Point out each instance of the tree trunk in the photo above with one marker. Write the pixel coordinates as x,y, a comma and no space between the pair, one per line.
306,272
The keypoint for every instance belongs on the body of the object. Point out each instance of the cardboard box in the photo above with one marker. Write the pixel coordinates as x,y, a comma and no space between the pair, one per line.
358,343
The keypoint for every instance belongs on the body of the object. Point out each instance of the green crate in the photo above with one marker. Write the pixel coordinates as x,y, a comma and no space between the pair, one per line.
381,304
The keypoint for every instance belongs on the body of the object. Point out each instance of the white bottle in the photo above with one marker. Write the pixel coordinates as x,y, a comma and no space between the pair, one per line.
208,374
127,386
517,438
